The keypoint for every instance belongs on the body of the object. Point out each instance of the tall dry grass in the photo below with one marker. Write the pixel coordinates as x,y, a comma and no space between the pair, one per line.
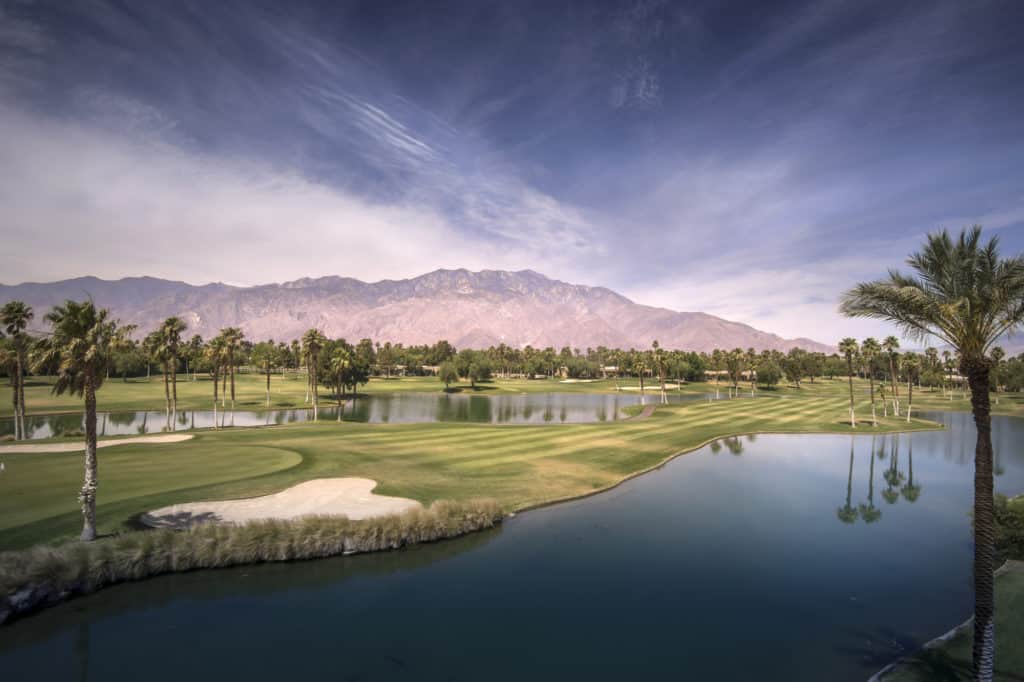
47,574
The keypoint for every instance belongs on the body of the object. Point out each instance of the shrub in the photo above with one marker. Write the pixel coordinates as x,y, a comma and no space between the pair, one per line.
47,574
1010,527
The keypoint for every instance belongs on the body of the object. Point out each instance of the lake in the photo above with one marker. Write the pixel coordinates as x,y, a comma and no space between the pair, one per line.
517,408
774,557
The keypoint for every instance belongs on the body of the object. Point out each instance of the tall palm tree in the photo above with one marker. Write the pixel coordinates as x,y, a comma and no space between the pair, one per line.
661,366
968,296
170,333
214,353
869,350
848,347
81,345
233,337
15,317
312,342
911,365
891,346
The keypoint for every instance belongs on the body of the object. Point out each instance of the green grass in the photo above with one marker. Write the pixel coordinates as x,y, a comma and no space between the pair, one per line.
952,659
518,466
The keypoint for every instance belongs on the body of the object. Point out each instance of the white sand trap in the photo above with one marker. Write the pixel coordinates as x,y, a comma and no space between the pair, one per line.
351,497
650,388
79,446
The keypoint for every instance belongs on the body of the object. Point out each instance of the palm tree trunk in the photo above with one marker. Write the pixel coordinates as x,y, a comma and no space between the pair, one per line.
910,399
871,380
87,497
313,383
849,366
167,389
174,384
984,524
895,389
232,385
21,397
14,398
216,383
268,384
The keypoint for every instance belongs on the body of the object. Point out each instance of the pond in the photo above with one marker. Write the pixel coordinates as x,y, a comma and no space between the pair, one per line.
770,558
515,408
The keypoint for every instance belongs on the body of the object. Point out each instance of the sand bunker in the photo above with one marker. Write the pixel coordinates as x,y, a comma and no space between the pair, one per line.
351,497
79,446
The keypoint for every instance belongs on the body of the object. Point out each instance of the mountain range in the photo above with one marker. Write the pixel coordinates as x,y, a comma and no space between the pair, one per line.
469,309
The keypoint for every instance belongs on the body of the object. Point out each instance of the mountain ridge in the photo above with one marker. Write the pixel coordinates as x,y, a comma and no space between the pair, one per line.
469,309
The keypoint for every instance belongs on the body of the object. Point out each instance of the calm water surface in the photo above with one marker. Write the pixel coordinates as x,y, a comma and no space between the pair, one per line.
762,558
522,408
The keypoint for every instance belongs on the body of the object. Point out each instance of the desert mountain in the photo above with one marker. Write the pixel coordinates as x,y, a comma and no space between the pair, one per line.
469,309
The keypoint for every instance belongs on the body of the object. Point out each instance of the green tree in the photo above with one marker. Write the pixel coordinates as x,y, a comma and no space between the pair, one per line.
15,316
768,372
448,374
848,347
81,345
340,363
968,296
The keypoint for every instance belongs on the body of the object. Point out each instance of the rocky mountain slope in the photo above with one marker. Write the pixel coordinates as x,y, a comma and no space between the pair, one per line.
469,309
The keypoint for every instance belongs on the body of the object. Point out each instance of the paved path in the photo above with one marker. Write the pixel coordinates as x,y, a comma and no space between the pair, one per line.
80,445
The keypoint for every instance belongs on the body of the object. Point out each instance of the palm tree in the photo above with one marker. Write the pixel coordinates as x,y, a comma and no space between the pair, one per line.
340,363
312,342
640,366
81,345
968,296
751,358
658,357
15,317
848,347
170,333
233,337
911,365
890,346
869,351
214,355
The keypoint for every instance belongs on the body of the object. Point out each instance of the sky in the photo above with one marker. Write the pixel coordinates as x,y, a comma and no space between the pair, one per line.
747,159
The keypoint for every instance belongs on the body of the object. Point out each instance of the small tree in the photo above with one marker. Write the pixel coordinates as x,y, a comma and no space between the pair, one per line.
448,374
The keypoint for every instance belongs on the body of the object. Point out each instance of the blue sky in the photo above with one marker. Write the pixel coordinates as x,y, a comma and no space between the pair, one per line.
747,159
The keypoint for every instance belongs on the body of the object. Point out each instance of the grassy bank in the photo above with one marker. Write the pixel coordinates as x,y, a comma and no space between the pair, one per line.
518,466
39,577
951,659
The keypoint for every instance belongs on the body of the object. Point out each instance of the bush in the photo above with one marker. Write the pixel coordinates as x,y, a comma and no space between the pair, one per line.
47,574
1010,527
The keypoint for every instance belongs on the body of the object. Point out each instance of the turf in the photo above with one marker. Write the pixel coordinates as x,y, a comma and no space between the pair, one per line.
518,466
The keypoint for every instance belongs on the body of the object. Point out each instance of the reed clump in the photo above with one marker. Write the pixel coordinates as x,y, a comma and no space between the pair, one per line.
47,574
